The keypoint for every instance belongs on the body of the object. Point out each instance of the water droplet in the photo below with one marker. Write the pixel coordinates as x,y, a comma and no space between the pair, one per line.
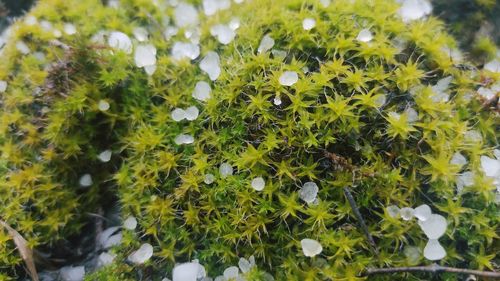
277,101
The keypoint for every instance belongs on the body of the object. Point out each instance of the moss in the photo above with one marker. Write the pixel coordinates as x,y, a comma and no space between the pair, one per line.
352,102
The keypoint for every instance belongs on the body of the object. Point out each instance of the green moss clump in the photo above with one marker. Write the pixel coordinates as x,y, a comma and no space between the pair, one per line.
375,116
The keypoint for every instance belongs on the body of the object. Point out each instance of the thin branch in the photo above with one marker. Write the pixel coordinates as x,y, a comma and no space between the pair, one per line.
361,221
23,248
434,268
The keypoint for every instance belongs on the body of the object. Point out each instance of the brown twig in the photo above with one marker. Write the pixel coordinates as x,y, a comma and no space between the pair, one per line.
23,248
434,268
360,219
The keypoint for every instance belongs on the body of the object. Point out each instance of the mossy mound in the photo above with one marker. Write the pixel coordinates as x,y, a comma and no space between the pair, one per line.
362,100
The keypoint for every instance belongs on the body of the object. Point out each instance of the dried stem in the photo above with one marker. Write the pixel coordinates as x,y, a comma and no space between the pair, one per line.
434,268
361,221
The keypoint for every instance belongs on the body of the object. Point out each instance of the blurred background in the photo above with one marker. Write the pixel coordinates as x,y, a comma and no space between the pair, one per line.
474,23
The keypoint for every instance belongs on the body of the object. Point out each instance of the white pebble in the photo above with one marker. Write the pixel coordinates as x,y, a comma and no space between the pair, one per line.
225,170
258,183
209,178
108,237
380,100
231,272
103,105
458,159
211,65
70,273
434,227
120,41
210,7
407,213
423,212
434,251
365,35
189,271
130,223
113,240
308,23
182,50
185,15
145,55
311,247
202,91
178,114
393,211
86,180
69,28
105,156
223,33
266,44
57,33
192,113
143,254
3,86
141,34
308,192
184,139
414,9
288,78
